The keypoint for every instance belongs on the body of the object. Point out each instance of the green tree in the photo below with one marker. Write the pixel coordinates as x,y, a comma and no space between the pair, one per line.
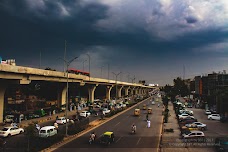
180,88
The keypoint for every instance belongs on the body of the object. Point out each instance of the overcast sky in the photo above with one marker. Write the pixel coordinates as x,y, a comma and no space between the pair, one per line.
153,40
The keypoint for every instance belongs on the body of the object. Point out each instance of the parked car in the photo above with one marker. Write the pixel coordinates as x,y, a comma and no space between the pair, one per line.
9,118
61,120
190,112
47,131
190,127
221,144
208,112
184,115
106,111
214,117
10,131
189,105
200,125
193,134
85,114
186,121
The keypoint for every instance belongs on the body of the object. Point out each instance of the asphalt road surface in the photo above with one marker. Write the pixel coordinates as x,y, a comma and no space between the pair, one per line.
145,139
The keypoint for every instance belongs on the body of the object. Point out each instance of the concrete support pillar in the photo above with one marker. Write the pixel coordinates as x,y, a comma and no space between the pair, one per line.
3,86
126,90
108,92
140,91
2,94
136,91
91,90
132,91
61,99
119,89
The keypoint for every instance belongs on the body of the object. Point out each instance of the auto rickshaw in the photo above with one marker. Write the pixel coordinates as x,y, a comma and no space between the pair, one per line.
144,106
137,112
107,138
149,110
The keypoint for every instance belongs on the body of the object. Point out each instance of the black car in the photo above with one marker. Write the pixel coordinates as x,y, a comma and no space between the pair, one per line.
221,144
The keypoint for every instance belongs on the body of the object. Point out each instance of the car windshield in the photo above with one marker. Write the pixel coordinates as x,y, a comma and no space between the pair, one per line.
42,131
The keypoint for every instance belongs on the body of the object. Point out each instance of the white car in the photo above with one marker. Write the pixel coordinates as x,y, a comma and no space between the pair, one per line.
61,120
124,105
183,115
214,117
208,112
153,103
193,134
10,131
199,125
85,114
106,111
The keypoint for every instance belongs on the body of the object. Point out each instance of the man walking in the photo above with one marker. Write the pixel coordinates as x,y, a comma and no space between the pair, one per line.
148,123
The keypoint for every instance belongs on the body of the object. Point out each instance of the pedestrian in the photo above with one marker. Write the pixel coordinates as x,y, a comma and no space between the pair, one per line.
56,125
57,117
147,116
148,123
37,127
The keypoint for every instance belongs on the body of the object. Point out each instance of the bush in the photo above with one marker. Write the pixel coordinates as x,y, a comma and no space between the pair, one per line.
78,126
166,115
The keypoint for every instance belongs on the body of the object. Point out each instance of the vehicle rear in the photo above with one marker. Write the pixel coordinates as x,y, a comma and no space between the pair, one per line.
47,131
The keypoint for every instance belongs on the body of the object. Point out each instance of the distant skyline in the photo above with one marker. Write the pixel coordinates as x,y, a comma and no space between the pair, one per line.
151,40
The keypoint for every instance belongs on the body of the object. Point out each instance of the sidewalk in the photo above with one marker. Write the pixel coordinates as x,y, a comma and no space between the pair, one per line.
171,141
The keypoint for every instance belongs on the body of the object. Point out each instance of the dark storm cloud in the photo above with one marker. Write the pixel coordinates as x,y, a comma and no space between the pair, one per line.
24,30
123,34
191,20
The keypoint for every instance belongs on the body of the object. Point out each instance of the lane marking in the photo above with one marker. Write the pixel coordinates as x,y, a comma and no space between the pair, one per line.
117,124
138,141
119,139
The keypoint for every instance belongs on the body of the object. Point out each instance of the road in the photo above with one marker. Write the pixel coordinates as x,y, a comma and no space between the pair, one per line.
145,139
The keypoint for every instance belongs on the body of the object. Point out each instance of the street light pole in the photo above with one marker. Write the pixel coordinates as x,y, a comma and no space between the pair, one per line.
67,63
101,70
128,76
108,71
116,83
84,64
89,65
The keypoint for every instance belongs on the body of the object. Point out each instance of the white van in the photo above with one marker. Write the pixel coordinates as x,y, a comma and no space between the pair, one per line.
47,131
9,118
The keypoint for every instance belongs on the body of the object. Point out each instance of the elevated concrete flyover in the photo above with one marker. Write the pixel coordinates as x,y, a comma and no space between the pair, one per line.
25,75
